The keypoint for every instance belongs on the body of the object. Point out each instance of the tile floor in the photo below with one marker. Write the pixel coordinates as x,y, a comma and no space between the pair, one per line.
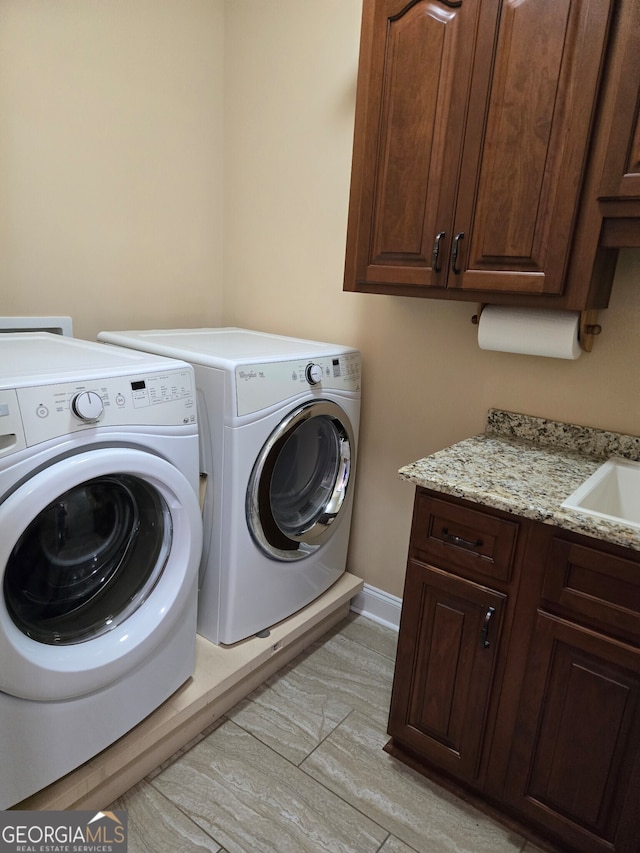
299,766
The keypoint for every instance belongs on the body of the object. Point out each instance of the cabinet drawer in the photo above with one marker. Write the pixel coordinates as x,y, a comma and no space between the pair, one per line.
472,543
594,586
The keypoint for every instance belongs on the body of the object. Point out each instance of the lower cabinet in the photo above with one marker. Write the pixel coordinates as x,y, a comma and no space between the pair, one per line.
575,764
449,638
518,671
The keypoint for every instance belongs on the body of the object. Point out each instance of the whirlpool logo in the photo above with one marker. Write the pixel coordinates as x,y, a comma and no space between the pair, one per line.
63,832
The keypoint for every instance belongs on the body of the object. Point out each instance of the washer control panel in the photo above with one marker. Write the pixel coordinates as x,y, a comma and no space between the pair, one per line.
259,386
164,398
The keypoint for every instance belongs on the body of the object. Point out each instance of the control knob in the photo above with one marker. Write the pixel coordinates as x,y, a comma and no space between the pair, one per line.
313,373
87,405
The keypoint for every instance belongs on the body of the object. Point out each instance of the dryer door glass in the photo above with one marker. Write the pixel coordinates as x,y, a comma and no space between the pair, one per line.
300,481
88,560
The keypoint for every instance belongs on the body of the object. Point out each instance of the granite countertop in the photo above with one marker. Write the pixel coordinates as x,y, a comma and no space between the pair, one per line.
528,466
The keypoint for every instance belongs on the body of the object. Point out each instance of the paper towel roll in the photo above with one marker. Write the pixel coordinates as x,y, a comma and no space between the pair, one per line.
530,331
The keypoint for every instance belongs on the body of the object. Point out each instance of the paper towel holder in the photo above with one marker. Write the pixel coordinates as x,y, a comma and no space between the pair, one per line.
587,331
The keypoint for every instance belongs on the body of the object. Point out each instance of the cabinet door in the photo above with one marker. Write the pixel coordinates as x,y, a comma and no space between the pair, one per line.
473,121
447,647
621,169
524,160
413,86
575,765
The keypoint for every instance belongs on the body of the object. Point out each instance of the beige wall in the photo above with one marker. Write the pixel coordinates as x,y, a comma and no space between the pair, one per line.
112,166
290,89
111,161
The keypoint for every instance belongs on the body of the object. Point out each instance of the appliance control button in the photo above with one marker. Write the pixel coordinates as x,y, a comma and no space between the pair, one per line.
87,405
313,373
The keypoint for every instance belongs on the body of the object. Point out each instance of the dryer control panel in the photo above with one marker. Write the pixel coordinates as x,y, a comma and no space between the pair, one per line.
164,398
260,386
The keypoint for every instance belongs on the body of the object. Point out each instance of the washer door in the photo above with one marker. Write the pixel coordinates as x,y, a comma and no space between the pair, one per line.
98,560
300,481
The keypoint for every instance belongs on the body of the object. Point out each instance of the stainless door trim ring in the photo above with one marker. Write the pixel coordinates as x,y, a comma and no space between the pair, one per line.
288,544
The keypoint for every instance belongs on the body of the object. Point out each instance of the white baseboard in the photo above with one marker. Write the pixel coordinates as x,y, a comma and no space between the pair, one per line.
380,606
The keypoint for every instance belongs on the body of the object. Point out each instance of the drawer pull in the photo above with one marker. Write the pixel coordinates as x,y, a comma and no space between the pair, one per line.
454,254
484,635
458,540
435,255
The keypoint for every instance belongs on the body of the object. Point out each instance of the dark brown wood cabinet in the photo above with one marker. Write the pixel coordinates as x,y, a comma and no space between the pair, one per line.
575,762
450,637
474,122
518,671
453,625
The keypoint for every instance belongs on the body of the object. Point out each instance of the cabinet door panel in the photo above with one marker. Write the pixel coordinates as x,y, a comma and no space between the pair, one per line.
621,168
578,735
415,69
412,149
448,642
518,215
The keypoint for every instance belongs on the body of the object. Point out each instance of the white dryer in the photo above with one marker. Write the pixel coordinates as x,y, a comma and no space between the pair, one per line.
279,421
100,541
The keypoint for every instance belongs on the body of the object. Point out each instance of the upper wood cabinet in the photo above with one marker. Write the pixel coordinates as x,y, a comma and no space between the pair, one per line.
473,125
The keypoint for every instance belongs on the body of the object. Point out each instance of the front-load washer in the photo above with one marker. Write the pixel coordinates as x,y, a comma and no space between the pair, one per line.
100,542
279,423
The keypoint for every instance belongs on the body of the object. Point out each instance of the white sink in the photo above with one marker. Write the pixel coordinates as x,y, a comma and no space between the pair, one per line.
611,493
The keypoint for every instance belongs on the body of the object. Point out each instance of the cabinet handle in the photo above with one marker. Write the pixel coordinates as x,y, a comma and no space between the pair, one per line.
454,254
435,255
458,540
484,635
